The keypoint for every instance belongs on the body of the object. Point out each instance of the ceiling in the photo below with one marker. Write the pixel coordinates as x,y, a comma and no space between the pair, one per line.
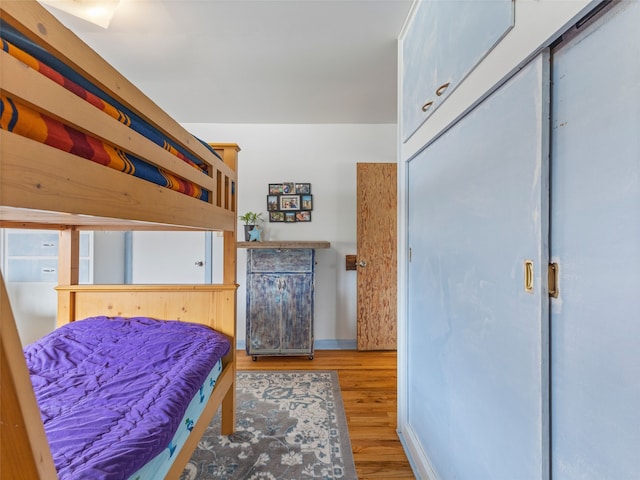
257,61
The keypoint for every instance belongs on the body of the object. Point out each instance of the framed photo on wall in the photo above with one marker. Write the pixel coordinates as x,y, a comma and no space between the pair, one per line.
306,202
289,216
289,202
275,189
273,203
276,216
303,216
303,188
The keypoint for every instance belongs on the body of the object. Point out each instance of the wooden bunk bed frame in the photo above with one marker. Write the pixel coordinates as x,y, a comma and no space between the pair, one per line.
45,188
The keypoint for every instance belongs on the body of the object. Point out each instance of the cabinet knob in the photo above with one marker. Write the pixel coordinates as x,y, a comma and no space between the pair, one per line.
199,263
362,263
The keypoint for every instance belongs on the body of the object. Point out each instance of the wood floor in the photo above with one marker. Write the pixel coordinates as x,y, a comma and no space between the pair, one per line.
369,394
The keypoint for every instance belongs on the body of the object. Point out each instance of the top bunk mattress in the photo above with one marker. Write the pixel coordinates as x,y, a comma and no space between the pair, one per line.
112,391
18,117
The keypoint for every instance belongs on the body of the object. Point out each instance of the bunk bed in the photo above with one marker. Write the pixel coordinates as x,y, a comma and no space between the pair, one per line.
81,148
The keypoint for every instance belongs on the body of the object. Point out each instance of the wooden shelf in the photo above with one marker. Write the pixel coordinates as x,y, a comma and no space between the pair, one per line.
285,244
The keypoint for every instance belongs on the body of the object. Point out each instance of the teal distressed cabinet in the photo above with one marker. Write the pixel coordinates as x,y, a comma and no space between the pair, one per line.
280,299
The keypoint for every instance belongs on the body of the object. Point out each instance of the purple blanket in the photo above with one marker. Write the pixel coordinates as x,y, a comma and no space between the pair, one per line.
112,391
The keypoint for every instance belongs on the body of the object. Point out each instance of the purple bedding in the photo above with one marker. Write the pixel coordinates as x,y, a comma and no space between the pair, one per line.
112,390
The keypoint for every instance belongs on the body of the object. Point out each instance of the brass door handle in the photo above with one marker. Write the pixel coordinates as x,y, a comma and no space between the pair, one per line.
553,280
528,276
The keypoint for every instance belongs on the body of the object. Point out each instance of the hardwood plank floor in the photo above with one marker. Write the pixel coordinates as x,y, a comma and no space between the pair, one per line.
369,393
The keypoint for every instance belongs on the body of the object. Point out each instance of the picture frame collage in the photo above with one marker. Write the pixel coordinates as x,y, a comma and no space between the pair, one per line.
289,202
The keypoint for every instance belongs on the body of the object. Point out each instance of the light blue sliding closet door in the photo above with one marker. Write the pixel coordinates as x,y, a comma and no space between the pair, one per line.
477,341
595,238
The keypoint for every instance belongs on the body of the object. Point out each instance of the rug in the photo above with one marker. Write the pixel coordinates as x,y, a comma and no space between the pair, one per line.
290,425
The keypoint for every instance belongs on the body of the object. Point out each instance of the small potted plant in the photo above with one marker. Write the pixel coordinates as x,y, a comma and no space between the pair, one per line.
250,220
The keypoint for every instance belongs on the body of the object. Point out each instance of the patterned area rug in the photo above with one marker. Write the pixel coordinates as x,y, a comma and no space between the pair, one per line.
289,426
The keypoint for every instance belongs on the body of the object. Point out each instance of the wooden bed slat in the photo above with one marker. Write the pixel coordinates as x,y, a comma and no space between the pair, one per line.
22,438
226,382
103,192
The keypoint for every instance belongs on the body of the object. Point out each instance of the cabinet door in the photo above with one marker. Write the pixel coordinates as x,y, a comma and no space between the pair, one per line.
32,256
595,238
264,312
477,340
297,313
445,40
32,244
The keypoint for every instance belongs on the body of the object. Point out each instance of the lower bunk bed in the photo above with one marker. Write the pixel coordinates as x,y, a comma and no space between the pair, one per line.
118,396
126,396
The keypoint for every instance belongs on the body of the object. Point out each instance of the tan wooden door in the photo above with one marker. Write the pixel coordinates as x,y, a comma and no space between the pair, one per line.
377,255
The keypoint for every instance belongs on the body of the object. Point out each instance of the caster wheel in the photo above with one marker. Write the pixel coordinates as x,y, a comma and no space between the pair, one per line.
254,358
310,357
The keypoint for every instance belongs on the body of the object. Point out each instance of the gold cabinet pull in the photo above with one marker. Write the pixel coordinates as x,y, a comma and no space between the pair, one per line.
553,280
426,106
442,88
528,276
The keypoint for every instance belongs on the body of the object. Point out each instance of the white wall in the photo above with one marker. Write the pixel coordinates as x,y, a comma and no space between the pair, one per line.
326,157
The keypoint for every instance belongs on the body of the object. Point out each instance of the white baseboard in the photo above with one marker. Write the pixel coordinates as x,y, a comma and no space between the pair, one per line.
417,458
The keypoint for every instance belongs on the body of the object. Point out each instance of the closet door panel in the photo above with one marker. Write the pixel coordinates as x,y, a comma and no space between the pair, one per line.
595,238
477,342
